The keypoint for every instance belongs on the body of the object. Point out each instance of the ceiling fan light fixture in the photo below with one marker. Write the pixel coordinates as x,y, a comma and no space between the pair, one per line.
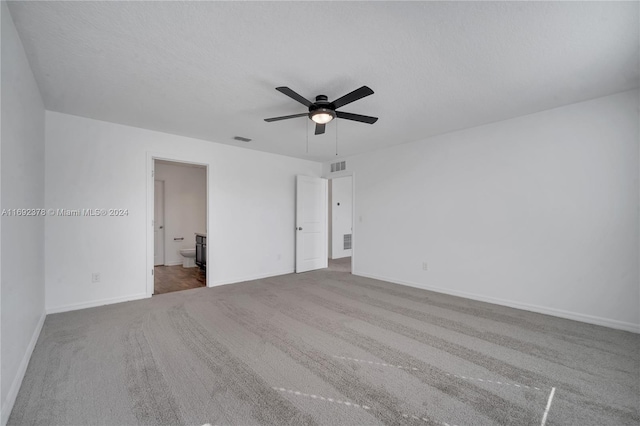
322,115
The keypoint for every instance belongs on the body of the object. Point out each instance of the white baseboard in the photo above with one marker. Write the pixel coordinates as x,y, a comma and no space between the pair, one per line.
590,319
94,303
341,257
176,263
7,404
250,278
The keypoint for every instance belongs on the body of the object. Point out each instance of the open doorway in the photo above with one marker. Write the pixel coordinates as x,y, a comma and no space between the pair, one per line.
341,224
179,226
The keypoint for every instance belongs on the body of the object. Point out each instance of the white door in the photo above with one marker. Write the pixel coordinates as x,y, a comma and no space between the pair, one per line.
311,223
158,223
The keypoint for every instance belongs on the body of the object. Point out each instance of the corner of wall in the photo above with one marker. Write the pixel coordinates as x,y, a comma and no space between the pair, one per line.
22,155
7,404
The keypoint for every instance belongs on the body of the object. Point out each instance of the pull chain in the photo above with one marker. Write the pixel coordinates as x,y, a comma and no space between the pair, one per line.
307,136
336,137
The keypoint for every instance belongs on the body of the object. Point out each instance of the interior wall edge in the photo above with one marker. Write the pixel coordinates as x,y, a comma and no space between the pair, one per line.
95,303
246,278
7,404
575,316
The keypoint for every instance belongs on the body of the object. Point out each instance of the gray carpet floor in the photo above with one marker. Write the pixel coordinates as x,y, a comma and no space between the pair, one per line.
325,347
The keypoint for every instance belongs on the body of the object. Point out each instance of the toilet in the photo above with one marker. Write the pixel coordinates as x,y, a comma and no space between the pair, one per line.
188,258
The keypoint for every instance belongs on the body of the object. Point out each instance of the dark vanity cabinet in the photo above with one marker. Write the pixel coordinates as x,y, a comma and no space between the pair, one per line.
201,251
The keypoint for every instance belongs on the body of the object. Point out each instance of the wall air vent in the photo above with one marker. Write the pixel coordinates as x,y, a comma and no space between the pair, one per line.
347,242
241,139
339,166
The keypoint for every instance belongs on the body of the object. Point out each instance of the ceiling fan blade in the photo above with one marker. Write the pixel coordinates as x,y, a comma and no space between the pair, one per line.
353,96
293,95
320,128
356,117
286,117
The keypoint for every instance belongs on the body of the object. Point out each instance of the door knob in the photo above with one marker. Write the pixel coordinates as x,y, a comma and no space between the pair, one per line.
161,227
300,228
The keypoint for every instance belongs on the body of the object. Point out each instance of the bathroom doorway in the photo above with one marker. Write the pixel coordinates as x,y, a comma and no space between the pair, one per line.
179,226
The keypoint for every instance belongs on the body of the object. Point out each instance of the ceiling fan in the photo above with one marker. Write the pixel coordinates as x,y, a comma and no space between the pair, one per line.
322,111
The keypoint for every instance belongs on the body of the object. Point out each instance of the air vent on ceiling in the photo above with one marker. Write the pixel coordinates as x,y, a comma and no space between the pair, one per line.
339,166
347,242
241,139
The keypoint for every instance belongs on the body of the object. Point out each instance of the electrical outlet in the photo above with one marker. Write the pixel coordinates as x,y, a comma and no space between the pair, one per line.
424,266
95,277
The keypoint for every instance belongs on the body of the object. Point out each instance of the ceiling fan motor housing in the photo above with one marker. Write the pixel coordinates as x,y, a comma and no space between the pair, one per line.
321,103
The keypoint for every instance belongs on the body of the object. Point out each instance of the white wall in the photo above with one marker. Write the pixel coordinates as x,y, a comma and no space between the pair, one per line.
22,186
91,164
185,212
538,212
341,213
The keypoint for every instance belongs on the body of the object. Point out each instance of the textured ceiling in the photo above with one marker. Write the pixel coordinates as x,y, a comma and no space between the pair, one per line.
209,69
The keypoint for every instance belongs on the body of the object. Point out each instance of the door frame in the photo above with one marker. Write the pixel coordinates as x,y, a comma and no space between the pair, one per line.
354,240
155,181
150,179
